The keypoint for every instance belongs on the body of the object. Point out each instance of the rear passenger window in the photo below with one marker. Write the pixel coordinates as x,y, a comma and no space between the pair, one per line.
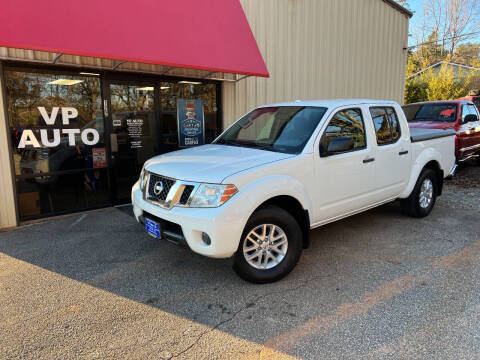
387,126
345,123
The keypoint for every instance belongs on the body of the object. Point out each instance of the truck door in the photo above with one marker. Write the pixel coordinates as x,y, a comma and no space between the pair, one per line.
343,179
469,134
392,165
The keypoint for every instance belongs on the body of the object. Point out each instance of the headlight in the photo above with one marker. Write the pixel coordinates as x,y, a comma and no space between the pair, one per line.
143,179
211,195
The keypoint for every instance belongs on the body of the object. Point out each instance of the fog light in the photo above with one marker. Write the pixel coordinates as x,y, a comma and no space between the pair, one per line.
206,239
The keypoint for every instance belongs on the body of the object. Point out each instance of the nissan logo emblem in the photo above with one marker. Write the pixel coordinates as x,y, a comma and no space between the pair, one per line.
158,188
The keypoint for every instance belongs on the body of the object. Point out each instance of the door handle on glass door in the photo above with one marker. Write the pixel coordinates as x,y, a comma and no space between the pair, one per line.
368,160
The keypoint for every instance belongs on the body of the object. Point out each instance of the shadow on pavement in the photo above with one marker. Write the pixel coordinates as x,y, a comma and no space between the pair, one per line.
109,250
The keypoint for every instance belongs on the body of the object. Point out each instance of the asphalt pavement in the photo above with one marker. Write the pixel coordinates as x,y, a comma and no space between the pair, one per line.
378,285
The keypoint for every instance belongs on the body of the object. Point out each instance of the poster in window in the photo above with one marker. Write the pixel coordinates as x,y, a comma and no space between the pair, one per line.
191,124
135,132
99,156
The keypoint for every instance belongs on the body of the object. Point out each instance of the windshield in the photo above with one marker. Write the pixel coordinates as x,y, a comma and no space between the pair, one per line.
281,129
431,112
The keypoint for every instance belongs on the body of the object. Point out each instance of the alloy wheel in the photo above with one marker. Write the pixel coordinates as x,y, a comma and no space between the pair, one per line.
426,193
265,246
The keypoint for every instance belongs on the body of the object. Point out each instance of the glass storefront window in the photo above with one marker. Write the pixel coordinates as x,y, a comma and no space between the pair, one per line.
135,130
170,92
57,135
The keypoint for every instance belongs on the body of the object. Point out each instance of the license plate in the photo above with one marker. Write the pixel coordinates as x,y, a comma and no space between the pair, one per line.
152,228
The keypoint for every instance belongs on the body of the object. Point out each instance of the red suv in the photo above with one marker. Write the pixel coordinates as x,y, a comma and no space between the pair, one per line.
459,115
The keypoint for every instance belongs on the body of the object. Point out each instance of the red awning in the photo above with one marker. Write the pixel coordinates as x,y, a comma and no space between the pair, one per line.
211,35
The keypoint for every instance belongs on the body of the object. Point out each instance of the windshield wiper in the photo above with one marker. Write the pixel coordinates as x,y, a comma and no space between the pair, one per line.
228,142
244,143
263,146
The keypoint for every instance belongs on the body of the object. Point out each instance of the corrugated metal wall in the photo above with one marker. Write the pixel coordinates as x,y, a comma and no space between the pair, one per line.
318,49
8,216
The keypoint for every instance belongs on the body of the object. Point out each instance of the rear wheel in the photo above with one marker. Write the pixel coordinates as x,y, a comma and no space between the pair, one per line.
270,247
422,199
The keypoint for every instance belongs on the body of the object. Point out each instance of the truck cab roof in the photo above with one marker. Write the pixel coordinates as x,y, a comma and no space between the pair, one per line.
332,103
456,101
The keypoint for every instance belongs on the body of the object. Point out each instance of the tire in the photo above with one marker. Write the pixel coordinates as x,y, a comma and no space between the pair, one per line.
417,204
276,267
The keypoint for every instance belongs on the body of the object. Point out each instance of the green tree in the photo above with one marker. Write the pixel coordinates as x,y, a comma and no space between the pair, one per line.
427,53
467,54
442,85
415,91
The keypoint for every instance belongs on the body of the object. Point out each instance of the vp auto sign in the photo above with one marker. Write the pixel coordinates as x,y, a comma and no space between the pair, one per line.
88,136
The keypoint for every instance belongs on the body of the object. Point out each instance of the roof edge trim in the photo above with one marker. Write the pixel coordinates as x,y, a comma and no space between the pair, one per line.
399,7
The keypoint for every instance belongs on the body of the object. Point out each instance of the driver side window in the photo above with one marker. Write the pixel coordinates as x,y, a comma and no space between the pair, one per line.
473,109
465,112
345,125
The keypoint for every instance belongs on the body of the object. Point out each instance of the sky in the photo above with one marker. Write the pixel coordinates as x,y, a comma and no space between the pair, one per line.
417,8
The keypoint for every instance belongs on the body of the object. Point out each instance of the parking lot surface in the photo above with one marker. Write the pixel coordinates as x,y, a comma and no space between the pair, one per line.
377,285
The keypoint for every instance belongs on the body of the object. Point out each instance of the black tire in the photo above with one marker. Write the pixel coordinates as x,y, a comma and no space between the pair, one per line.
411,205
286,222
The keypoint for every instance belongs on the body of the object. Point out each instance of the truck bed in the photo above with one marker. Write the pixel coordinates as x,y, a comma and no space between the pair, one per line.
417,134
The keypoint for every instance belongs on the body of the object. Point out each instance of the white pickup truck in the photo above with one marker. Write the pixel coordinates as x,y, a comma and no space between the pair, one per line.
283,169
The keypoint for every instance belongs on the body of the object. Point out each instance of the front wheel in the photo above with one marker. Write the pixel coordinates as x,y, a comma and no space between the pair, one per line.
270,246
422,199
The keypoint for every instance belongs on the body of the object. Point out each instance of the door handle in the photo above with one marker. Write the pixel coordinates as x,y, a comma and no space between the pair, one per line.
368,160
403,152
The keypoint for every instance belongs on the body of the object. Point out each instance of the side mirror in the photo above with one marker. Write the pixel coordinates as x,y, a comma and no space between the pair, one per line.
470,118
339,145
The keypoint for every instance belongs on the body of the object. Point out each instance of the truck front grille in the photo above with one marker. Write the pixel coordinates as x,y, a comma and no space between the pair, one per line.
165,183
167,192
186,194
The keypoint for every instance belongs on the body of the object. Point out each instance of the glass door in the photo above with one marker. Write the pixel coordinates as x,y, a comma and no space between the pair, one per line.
134,134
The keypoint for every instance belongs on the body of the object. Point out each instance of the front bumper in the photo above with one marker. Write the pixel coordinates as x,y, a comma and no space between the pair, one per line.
224,224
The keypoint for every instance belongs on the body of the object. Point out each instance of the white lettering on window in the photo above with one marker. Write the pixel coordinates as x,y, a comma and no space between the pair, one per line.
71,135
68,113
28,138
46,142
49,120
96,136
88,136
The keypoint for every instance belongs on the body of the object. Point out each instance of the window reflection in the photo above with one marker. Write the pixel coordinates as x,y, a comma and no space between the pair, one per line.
387,126
59,174
345,123
382,127
135,133
26,92
170,92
